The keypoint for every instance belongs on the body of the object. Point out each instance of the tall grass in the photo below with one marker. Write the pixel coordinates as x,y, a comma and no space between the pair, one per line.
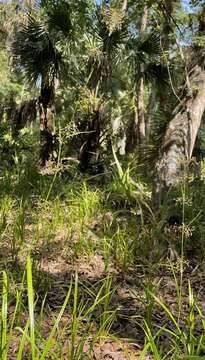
4,318
31,307
76,310
72,225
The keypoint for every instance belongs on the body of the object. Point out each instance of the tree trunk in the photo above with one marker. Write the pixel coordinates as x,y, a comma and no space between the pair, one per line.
150,110
124,5
167,25
180,136
140,108
47,129
119,135
167,39
25,115
90,151
132,133
140,86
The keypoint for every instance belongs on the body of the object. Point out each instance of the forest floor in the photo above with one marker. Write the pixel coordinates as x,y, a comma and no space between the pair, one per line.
130,282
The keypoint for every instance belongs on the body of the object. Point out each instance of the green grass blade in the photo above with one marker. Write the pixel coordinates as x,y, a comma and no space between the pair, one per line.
23,340
74,329
168,312
4,318
151,340
119,167
192,340
18,305
31,307
48,342
144,351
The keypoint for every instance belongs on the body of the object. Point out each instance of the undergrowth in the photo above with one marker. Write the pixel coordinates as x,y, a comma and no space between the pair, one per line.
85,265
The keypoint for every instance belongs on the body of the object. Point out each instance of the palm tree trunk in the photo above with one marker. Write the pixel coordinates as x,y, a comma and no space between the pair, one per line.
150,110
47,129
25,115
140,87
180,136
167,29
167,25
141,108
90,151
132,133
125,5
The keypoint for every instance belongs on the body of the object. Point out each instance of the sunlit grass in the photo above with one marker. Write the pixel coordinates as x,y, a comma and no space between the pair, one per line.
88,242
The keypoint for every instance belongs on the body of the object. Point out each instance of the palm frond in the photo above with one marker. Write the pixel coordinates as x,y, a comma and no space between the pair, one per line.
58,18
150,151
35,51
159,121
144,50
110,30
150,44
111,27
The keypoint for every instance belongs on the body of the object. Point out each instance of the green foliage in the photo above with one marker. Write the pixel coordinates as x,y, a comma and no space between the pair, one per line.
128,190
59,19
4,318
88,258
36,51
144,50
12,148
11,89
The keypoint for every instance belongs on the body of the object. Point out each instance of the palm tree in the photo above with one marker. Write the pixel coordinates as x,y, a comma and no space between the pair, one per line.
140,84
108,33
144,58
37,51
